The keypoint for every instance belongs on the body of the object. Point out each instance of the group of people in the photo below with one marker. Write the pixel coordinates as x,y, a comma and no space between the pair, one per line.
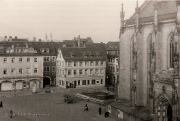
100,111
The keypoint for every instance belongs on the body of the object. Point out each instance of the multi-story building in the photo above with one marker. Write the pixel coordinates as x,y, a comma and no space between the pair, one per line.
112,49
21,66
149,56
81,66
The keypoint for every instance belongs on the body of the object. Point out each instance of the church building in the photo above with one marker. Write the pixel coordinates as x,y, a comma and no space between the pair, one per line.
149,81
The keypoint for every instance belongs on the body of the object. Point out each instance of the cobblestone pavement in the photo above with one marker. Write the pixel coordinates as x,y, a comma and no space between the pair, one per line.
47,107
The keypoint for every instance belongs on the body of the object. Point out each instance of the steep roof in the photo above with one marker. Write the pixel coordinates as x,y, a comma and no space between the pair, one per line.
112,46
38,46
166,10
91,52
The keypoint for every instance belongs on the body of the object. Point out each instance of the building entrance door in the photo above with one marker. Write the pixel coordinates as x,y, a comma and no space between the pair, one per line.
75,84
164,110
169,113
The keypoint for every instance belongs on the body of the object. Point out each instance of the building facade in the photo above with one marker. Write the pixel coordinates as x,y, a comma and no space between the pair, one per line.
21,67
81,66
149,61
112,49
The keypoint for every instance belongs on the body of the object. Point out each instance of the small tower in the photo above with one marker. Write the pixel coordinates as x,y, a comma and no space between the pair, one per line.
156,16
178,10
122,14
137,11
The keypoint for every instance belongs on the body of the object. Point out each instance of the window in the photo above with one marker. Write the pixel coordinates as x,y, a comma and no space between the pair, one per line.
53,68
28,71
28,59
47,59
97,71
20,60
101,81
102,63
91,63
20,71
80,63
80,72
5,60
93,81
13,60
12,71
75,72
69,64
35,70
91,71
54,58
69,72
97,63
97,81
62,82
87,63
59,82
78,82
5,71
83,82
47,68
35,59
88,82
86,72
75,64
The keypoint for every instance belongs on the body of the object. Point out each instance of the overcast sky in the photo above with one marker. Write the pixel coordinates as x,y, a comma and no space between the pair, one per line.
65,19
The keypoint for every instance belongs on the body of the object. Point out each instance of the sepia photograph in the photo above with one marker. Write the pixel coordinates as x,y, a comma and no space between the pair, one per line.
89,60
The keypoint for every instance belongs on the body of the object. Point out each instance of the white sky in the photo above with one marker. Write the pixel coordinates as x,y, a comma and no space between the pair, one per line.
98,19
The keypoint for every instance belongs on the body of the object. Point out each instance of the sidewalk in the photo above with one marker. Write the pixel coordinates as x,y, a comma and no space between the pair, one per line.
54,89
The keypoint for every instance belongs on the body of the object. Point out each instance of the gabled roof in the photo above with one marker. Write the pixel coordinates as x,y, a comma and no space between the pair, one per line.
90,50
38,46
112,46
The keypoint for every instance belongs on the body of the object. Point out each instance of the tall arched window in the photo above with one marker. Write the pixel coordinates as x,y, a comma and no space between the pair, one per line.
151,64
173,50
133,68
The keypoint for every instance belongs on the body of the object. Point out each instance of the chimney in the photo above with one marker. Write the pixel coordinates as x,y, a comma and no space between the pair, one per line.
137,11
156,16
78,40
5,38
15,37
122,13
39,40
10,38
34,39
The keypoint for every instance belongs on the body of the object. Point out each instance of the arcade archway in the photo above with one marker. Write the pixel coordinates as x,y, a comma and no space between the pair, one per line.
46,81
164,110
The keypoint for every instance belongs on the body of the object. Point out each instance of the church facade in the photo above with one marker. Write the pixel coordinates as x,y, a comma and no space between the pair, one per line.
149,61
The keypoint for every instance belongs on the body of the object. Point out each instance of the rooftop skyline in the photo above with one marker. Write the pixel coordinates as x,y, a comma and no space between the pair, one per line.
65,19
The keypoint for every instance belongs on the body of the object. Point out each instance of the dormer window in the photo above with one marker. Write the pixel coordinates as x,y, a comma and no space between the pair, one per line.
31,49
90,54
72,54
45,50
98,54
85,54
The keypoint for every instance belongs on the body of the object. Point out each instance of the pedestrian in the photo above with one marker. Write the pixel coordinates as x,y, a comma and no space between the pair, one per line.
11,113
100,110
86,108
